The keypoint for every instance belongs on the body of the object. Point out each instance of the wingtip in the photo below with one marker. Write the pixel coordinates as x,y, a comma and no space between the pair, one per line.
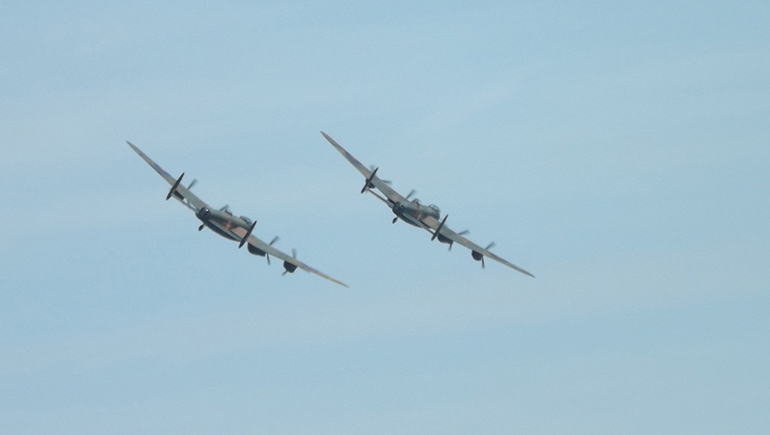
337,281
329,139
524,272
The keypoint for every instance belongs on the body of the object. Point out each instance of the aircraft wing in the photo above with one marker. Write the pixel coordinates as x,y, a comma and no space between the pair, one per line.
184,195
271,250
386,190
456,238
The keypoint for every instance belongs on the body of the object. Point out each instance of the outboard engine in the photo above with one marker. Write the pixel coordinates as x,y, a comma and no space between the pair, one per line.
290,268
478,256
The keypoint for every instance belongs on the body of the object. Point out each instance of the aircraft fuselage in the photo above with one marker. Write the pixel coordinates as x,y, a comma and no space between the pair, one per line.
412,212
222,222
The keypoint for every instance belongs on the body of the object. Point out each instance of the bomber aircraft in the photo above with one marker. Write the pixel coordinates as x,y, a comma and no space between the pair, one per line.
224,223
416,214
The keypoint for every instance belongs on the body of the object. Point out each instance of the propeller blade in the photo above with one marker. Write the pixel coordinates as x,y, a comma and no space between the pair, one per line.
438,230
192,183
293,254
225,207
482,263
369,180
461,233
173,188
489,246
374,168
246,237
410,194
267,256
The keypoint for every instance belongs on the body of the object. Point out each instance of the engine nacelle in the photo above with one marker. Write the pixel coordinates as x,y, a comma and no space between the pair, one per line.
256,251
398,209
290,268
203,214
444,239
477,256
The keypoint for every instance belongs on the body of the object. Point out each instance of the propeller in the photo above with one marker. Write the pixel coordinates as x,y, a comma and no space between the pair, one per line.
388,182
246,237
369,180
275,239
294,255
489,246
461,233
203,214
412,192
192,183
225,207
173,188
438,230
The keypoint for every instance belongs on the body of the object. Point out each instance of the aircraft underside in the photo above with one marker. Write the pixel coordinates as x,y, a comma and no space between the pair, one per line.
408,220
222,232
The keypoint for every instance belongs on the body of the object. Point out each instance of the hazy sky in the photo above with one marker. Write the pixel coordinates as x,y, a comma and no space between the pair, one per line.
617,151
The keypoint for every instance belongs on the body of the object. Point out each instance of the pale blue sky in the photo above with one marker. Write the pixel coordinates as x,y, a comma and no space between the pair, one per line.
617,151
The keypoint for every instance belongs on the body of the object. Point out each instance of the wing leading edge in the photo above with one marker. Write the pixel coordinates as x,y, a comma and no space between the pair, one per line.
428,223
386,190
192,201
195,204
271,250
456,238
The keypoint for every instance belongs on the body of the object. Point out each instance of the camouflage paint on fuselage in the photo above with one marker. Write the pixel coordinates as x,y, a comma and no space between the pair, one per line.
223,222
415,214
412,212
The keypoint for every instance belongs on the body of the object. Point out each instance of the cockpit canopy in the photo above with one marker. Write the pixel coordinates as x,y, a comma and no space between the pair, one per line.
247,220
435,207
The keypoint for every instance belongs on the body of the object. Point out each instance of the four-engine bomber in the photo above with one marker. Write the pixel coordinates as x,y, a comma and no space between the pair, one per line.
223,222
414,213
